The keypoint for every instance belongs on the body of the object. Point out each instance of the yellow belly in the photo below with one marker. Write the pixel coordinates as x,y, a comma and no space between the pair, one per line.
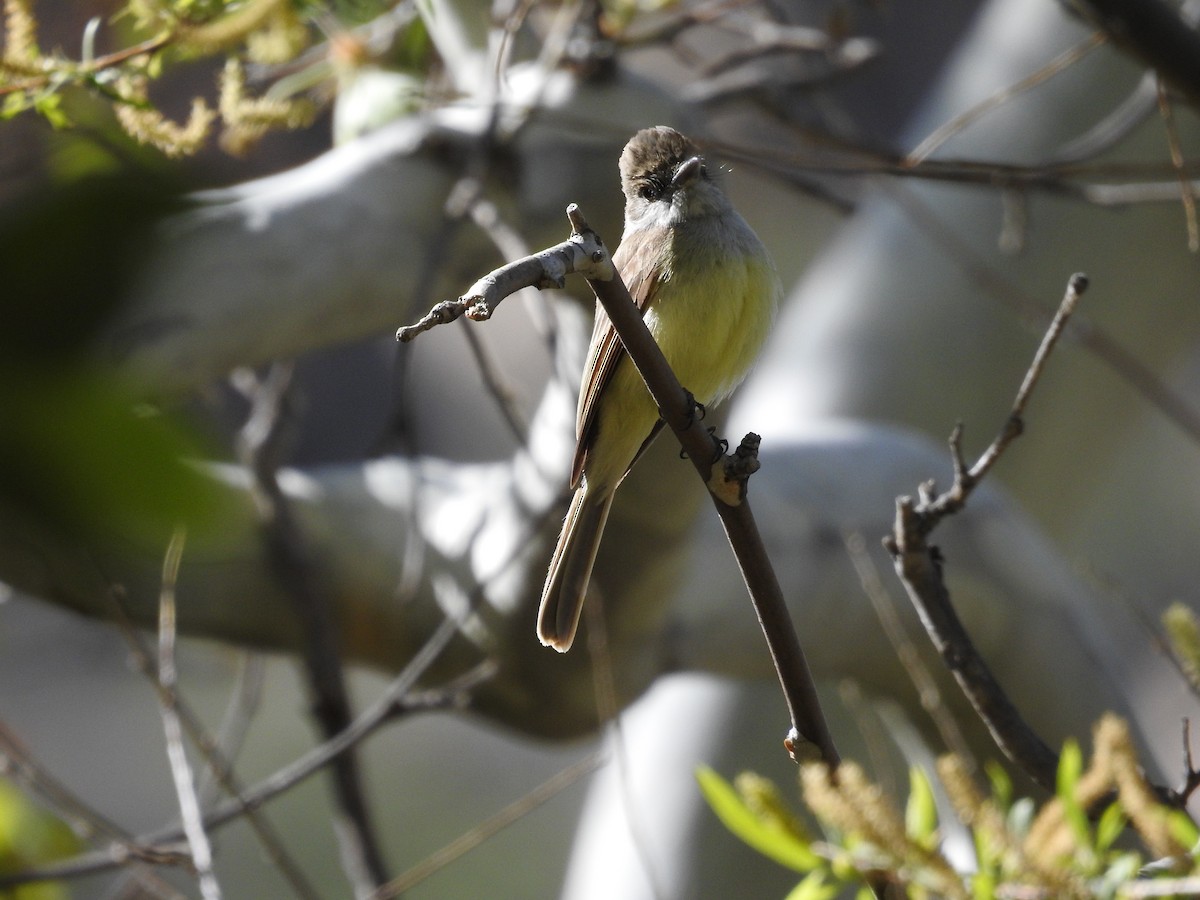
710,327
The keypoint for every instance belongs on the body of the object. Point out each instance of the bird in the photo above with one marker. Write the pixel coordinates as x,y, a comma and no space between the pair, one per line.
707,290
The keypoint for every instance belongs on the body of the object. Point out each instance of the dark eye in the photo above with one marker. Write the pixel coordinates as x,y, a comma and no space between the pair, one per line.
650,190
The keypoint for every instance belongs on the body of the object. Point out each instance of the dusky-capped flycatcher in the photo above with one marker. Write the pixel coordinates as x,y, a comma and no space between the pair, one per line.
708,292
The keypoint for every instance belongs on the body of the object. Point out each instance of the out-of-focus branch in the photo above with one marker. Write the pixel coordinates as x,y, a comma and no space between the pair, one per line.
295,569
181,770
1154,32
398,699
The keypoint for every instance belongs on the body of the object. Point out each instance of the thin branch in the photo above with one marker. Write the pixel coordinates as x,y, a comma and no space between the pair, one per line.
91,68
677,408
1155,32
580,254
399,698
966,479
947,130
218,761
292,564
1067,178
19,765
516,810
584,253
181,770
1086,334
928,693
1187,193
919,566
1191,777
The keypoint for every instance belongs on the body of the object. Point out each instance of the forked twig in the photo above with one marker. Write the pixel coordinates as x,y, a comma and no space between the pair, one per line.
919,566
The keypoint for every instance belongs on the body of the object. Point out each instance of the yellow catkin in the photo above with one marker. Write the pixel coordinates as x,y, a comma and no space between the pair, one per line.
230,29
20,32
147,124
851,803
1148,816
247,119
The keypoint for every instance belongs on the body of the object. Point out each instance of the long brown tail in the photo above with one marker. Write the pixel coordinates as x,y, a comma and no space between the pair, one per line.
571,569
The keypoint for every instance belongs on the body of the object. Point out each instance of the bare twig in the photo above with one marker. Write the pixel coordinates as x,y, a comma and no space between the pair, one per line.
581,253
181,770
1153,31
965,480
1187,192
19,765
1191,777
927,690
919,566
492,826
947,130
1086,334
399,698
217,760
88,69
291,562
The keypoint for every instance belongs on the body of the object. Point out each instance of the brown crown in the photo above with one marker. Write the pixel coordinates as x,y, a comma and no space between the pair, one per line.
656,150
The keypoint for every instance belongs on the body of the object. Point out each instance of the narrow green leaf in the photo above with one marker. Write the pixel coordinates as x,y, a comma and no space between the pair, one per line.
1002,786
1184,830
1070,768
813,887
1112,822
767,838
920,813
983,885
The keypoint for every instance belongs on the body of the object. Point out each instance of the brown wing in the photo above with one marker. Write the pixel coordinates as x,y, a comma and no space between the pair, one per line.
641,277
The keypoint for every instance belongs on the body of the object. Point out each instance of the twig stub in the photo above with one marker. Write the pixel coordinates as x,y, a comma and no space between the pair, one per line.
583,253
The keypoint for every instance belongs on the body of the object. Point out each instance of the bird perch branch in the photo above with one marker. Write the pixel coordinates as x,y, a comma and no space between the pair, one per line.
585,254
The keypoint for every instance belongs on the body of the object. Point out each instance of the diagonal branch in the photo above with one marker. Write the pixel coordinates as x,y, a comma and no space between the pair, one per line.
585,254
919,566
1156,33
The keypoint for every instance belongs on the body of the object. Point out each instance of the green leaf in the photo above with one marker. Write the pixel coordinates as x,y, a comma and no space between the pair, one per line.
776,843
1002,787
983,885
920,813
1184,830
29,838
1070,768
49,106
76,456
814,887
1112,822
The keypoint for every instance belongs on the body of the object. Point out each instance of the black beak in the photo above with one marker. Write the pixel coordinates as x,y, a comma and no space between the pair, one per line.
689,170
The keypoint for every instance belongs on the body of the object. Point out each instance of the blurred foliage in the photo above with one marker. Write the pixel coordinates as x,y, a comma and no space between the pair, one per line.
1183,633
31,837
1067,848
270,34
77,453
